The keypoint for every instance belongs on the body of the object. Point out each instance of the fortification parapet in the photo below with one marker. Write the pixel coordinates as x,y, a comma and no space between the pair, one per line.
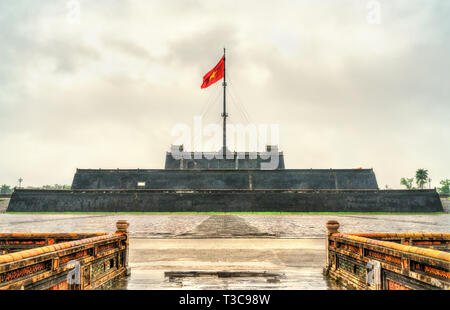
224,179
245,200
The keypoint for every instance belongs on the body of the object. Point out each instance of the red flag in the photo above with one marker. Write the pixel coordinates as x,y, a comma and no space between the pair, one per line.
215,74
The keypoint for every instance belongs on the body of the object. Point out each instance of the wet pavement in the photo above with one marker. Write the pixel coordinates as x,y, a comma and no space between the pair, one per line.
289,247
202,225
292,264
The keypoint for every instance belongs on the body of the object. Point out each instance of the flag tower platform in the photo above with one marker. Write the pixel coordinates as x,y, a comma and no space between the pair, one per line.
224,181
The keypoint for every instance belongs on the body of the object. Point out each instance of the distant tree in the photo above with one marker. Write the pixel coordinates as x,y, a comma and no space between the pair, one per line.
421,177
5,189
445,189
407,182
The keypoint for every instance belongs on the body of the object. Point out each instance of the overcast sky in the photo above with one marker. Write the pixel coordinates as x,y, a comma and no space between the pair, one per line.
106,92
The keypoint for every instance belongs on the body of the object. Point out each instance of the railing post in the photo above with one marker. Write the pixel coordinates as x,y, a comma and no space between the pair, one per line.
332,227
405,265
122,228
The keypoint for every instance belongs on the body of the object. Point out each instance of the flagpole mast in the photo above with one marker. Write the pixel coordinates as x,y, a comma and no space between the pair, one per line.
224,114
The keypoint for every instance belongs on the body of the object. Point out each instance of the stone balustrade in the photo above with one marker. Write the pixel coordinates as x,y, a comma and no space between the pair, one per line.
385,261
63,261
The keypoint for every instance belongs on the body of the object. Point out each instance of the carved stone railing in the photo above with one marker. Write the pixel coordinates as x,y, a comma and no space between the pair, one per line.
10,243
87,263
388,261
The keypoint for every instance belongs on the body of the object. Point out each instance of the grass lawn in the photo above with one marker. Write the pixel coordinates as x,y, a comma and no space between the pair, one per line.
343,213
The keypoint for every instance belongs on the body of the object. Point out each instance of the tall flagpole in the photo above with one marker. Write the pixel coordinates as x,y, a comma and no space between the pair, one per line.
224,114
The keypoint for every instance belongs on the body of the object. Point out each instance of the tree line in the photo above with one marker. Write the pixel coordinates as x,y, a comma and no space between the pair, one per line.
423,178
6,189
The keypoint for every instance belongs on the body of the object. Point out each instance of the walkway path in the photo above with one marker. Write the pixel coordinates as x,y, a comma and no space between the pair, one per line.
297,264
198,225
290,247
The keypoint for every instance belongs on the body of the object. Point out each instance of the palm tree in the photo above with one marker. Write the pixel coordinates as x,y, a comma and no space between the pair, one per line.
421,177
407,182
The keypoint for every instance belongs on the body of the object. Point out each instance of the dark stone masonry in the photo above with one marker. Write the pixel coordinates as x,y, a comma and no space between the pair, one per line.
225,179
225,201
239,183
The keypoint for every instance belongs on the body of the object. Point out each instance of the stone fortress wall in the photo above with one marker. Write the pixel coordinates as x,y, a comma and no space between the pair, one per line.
224,185
147,200
178,158
224,179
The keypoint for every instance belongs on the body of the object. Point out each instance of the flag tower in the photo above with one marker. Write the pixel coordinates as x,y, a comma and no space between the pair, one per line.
213,76
224,114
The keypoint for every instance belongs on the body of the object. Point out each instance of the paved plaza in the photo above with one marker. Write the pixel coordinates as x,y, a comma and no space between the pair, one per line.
242,225
292,263
289,248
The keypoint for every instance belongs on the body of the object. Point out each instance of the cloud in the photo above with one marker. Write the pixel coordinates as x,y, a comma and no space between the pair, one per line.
106,93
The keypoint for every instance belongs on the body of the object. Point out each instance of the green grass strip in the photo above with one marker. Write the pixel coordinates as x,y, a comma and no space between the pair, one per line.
213,212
